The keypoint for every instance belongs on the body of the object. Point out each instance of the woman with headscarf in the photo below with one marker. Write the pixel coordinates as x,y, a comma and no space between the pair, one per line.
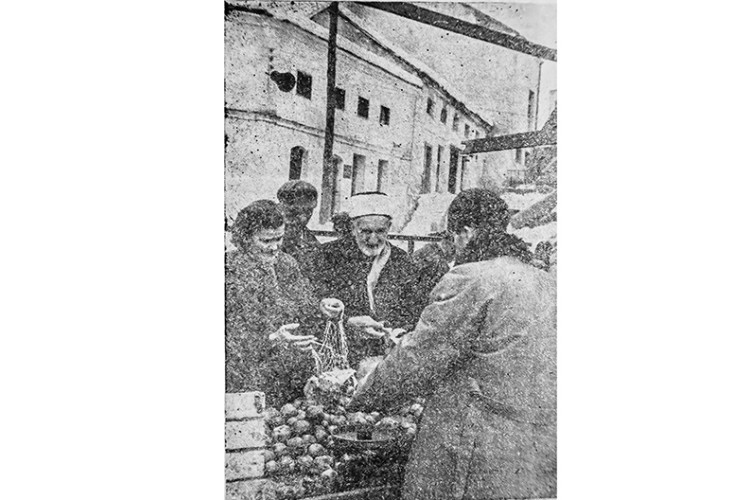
266,299
484,356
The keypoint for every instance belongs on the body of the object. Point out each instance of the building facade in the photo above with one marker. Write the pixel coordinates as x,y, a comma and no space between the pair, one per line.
398,128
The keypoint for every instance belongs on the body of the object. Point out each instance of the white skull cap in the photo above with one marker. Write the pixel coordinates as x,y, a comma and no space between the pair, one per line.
370,203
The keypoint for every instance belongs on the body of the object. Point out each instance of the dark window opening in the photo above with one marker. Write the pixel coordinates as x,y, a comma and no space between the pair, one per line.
385,115
453,169
455,123
296,158
382,174
430,106
358,173
363,107
466,130
427,172
304,85
437,168
339,98
444,115
532,110
464,168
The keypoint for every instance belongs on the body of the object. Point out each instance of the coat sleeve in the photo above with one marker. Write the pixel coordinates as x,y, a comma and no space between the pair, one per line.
434,349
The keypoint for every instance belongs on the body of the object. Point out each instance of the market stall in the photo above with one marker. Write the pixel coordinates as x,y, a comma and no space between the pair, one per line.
313,447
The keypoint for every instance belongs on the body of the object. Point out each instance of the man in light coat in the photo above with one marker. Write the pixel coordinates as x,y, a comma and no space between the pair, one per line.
484,356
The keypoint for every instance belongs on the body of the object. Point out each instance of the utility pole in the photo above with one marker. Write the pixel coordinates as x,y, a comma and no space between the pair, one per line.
329,173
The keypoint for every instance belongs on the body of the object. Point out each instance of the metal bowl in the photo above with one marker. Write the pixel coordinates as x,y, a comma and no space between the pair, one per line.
381,441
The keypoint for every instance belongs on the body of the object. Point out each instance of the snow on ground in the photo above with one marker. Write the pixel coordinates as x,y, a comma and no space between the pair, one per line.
518,201
534,235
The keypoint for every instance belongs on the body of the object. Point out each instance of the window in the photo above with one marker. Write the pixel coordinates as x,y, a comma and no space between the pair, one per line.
339,98
382,173
427,172
467,129
453,169
532,110
455,122
430,106
437,173
464,169
296,160
304,85
385,115
358,174
444,115
363,107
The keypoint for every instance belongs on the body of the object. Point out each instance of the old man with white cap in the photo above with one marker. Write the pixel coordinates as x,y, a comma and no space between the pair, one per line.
375,280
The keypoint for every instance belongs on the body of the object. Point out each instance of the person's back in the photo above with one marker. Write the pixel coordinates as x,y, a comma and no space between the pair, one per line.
431,264
484,356
508,378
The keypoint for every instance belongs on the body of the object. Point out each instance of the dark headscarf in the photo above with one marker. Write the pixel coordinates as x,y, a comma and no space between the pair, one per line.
487,213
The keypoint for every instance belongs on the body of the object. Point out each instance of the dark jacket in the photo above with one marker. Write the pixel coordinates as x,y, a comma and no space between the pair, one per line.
432,264
259,299
342,273
484,356
304,249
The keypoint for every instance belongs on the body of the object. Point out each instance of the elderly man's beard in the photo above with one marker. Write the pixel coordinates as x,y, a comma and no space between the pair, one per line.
371,251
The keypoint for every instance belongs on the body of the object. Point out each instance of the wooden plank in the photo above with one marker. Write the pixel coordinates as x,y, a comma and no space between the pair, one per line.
245,490
507,142
248,464
448,23
390,492
244,434
243,405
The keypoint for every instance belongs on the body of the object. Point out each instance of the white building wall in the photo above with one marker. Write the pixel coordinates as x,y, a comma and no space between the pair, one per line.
263,123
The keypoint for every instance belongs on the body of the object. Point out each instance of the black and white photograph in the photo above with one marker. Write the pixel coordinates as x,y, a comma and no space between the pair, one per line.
305,250
391,234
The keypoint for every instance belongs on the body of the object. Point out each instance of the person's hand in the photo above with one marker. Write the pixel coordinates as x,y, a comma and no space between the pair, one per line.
333,308
286,336
367,325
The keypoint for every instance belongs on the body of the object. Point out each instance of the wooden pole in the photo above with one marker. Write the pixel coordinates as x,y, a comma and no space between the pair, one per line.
328,167
448,23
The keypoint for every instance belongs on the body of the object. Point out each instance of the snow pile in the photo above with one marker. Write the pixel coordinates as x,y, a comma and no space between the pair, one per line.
429,216
535,235
518,201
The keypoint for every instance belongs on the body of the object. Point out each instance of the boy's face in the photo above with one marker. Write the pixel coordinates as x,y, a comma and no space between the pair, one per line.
297,216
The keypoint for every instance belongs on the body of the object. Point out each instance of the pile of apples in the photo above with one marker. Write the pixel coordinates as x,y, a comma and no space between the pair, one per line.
298,455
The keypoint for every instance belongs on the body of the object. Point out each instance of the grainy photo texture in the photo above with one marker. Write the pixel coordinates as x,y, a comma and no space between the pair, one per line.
391,242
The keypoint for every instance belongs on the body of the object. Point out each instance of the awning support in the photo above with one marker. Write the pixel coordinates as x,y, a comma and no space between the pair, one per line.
448,23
